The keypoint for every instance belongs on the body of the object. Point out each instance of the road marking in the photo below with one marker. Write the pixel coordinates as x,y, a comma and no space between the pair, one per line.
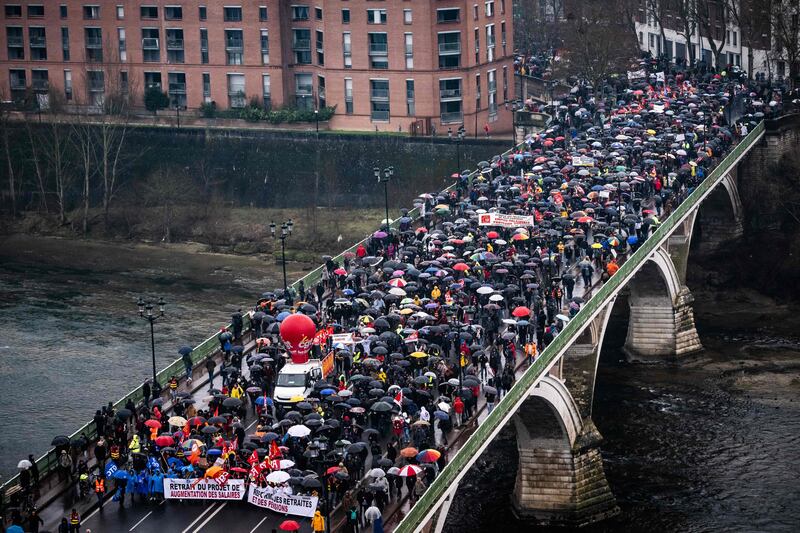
200,517
140,521
212,515
91,515
262,521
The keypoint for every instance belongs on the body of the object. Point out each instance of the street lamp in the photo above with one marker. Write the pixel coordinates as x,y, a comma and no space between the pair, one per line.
286,231
458,139
383,177
315,451
316,120
146,312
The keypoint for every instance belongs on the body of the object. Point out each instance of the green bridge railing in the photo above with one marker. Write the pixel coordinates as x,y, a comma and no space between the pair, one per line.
441,486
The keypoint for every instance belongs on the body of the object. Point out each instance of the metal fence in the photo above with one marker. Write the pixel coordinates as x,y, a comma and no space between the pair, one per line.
438,490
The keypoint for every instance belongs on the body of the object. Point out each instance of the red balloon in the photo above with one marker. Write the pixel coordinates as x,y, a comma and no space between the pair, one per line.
298,331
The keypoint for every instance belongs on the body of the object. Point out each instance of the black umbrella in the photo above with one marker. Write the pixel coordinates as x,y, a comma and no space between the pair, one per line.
184,350
60,440
232,403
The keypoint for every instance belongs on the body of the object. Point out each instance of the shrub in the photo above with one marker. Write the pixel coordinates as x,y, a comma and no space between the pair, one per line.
208,109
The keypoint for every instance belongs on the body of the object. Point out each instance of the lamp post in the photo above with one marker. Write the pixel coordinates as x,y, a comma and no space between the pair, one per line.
452,312
316,453
458,140
286,231
383,176
146,312
316,120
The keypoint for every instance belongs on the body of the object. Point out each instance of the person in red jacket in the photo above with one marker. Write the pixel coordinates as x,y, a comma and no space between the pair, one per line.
458,408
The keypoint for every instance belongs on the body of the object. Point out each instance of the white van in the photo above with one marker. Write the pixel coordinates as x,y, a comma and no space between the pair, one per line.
297,381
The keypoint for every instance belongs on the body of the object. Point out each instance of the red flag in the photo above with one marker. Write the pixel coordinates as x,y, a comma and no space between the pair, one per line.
235,444
195,456
398,399
255,471
222,478
253,459
265,465
274,451
216,411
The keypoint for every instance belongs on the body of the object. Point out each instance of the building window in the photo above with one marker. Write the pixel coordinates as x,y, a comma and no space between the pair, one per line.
151,48
299,12
206,87
64,43
379,100
450,109
204,46
120,12
477,45
62,11
263,14
347,50
503,36
477,92
37,40
96,85
321,100
475,12
410,100
320,48
234,47
123,45
449,49
16,44
264,47
175,52
301,45
93,39
448,15
505,84
376,16
303,91
148,12
18,82
348,96
236,91
152,80
409,50
378,50
318,14
489,8
502,7
407,19
492,87
35,11
345,16
232,14
202,13
266,91
173,13
91,12
490,43
735,38
68,85
13,11
123,82
40,81
176,84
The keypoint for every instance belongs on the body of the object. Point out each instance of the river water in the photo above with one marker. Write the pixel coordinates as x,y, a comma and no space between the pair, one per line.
70,336
709,444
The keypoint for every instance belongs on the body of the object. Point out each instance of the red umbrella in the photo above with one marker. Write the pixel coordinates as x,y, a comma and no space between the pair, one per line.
153,423
239,469
332,470
165,440
461,267
338,272
493,235
585,220
521,312
289,525
197,421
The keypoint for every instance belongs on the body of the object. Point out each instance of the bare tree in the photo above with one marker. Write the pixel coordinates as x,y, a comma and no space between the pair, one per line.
685,12
712,17
540,24
785,20
56,148
658,9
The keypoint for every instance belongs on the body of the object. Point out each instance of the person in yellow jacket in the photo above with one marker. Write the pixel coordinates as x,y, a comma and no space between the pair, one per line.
436,292
135,446
237,391
318,523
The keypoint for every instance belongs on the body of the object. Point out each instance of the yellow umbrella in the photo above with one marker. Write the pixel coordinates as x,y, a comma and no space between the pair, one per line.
597,245
419,355
406,311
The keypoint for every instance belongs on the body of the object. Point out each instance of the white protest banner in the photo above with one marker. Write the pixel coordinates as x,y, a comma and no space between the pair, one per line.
203,489
504,220
660,77
583,161
342,338
282,503
637,74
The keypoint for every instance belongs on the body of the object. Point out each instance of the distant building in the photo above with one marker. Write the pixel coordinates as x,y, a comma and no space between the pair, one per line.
388,65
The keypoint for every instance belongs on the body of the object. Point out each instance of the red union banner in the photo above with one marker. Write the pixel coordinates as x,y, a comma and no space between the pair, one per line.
297,332
282,503
503,220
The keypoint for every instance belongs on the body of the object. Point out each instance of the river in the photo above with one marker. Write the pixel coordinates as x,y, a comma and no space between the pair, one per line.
70,335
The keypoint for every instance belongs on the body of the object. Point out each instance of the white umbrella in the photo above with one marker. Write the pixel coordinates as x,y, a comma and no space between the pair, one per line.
485,290
393,471
24,464
373,513
563,318
283,464
397,291
299,431
376,473
278,476
177,421
344,393
501,242
496,298
409,470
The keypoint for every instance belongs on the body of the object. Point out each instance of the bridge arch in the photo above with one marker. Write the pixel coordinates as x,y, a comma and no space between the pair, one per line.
721,215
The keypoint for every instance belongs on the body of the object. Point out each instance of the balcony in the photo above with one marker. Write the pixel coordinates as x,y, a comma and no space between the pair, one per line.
490,41
448,118
177,88
94,42
347,49
492,86
379,94
149,43
234,44
450,48
304,90
96,87
15,41
449,93
378,49
17,84
380,115
40,85
174,44
301,44
38,41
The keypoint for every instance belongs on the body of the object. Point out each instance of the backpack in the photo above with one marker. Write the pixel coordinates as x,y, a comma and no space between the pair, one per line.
353,515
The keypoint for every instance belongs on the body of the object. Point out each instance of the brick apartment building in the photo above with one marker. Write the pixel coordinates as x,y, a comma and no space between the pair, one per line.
384,64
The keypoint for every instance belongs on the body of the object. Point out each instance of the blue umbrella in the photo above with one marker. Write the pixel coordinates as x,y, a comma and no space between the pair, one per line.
327,392
120,474
282,316
174,462
633,239
214,451
185,350
261,400
441,415
523,323
348,292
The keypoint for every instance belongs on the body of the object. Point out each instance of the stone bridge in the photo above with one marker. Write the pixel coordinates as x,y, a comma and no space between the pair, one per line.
560,478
